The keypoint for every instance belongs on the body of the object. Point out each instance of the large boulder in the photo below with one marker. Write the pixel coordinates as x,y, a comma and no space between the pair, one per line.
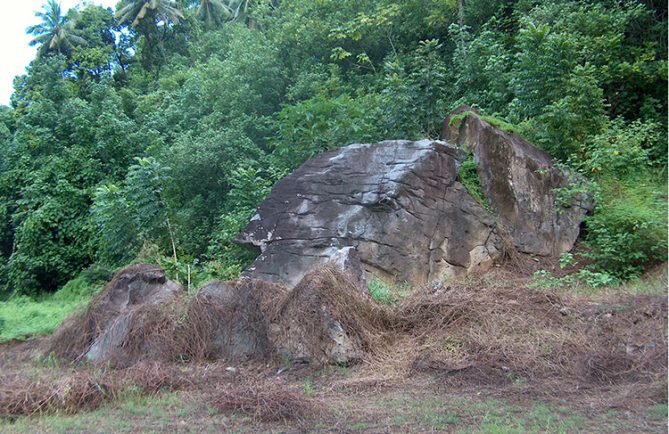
396,210
519,182
397,204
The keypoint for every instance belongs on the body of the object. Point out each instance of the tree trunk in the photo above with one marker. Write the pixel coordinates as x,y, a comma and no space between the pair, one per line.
461,12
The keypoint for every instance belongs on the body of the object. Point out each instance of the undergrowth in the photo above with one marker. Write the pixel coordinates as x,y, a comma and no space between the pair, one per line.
469,178
496,122
385,293
628,230
22,318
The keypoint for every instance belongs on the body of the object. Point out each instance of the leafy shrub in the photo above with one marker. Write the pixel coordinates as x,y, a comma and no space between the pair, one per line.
85,285
318,124
622,149
543,279
567,260
97,274
76,289
596,279
628,230
249,188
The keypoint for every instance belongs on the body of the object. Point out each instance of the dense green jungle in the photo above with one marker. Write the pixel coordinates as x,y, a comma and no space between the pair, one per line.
150,133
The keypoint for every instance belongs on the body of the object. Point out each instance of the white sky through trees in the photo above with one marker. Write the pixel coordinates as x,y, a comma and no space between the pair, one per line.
15,53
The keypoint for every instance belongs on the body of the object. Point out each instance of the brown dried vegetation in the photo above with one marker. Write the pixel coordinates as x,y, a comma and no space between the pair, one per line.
73,339
83,391
266,402
476,331
303,314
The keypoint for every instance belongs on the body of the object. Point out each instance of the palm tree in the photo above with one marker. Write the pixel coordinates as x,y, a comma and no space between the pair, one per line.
136,10
213,12
145,15
238,9
55,32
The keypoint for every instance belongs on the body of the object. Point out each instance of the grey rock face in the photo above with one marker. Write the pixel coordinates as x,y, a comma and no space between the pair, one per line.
518,180
348,262
399,207
397,203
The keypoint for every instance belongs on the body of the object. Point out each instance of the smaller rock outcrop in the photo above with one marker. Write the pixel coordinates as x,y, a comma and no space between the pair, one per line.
233,318
99,334
142,316
326,319
134,288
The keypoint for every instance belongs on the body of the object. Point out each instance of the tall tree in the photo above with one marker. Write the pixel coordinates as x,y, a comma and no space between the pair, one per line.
145,17
55,32
238,9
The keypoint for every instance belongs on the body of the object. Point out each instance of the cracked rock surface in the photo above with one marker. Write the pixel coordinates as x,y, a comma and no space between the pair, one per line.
396,202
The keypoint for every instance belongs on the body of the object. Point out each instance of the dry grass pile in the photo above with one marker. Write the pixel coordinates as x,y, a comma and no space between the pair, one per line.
304,318
177,329
153,335
85,391
627,341
81,391
267,402
488,330
154,377
223,312
186,330
478,332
